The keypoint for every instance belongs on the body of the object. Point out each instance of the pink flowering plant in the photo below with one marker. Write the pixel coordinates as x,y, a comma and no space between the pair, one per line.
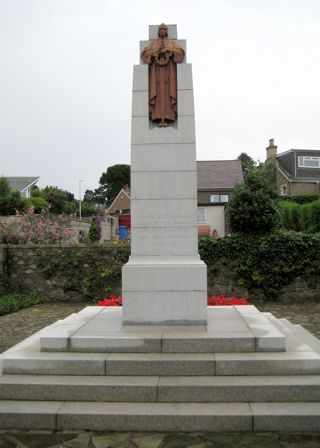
36,229
212,301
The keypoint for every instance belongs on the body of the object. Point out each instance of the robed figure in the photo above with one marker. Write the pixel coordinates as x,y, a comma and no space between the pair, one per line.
162,55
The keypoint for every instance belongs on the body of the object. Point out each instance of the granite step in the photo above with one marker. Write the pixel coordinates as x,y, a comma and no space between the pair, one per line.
161,389
229,329
297,362
260,416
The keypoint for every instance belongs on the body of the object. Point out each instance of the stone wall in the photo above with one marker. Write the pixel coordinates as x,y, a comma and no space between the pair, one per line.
299,290
20,271
29,269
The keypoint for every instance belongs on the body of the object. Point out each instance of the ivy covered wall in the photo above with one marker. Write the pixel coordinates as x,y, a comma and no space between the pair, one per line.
280,265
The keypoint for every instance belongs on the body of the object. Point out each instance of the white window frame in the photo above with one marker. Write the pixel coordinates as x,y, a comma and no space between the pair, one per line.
284,190
204,214
303,160
219,196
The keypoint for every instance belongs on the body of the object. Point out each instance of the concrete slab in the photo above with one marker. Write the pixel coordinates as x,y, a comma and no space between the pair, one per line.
28,414
288,363
239,389
160,364
286,417
209,343
156,416
78,388
268,338
110,344
57,338
53,363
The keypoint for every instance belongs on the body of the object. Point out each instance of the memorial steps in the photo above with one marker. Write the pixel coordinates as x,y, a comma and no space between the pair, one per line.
112,390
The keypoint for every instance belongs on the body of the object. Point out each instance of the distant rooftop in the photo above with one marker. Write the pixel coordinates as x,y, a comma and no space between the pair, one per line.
219,174
21,183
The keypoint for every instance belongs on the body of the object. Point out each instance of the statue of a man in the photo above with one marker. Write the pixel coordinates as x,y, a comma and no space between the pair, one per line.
162,55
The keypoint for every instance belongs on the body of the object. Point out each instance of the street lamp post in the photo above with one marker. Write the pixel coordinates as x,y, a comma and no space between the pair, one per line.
80,180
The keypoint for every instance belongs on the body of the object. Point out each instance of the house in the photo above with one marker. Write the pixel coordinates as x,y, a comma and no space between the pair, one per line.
121,207
22,184
216,182
298,170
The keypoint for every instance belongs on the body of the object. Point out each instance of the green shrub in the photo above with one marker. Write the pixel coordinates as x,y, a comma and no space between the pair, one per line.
315,216
252,208
300,199
37,203
305,223
266,262
11,302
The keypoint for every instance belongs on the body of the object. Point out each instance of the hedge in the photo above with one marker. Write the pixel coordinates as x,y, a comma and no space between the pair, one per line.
266,262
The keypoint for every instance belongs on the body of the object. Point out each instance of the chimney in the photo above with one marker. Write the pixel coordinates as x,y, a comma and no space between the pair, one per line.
271,150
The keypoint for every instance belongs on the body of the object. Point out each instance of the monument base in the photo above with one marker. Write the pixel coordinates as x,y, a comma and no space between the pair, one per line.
164,291
244,371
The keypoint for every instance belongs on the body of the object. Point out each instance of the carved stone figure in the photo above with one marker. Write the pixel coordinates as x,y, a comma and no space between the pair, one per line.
162,55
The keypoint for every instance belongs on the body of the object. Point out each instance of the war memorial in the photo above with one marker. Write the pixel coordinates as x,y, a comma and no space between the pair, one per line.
165,361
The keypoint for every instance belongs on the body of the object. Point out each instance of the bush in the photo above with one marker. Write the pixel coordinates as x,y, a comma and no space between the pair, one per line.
301,199
10,200
252,208
95,230
11,302
36,229
315,216
298,217
265,262
36,203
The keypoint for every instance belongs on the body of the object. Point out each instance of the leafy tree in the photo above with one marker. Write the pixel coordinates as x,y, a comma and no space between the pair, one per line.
61,201
10,200
252,208
247,163
96,196
95,230
111,182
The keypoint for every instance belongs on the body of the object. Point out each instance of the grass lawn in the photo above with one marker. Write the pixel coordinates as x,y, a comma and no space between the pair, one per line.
14,301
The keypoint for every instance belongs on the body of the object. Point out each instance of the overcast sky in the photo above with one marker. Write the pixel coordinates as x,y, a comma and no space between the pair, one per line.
66,80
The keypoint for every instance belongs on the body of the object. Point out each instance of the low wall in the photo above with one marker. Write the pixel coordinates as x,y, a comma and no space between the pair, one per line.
63,273
79,272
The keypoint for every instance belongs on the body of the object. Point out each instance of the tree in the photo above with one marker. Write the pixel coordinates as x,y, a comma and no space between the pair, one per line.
61,201
252,208
96,196
111,182
10,200
247,162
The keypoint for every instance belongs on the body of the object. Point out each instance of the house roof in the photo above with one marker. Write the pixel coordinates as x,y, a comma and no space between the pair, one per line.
21,183
219,174
124,191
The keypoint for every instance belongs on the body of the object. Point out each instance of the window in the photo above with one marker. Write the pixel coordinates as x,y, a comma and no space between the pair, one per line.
283,190
219,198
308,162
201,214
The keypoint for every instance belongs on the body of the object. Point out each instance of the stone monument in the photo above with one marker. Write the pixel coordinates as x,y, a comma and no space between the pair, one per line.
164,281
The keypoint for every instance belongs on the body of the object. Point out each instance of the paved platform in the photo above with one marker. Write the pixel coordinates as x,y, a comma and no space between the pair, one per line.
164,378
229,329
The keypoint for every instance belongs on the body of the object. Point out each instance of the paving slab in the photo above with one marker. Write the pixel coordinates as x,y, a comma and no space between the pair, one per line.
17,362
156,416
239,389
160,364
228,329
287,363
286,416
28,414
78,388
